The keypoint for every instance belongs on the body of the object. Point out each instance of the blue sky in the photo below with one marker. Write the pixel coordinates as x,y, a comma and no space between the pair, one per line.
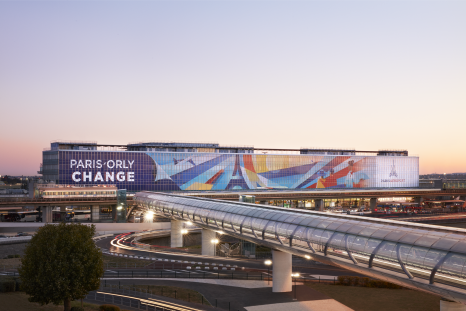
360,74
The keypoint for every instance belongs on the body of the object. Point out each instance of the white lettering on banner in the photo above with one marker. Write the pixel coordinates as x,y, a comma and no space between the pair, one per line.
80,164
73,163
130,176
124,164
118,164
130,163
120,176
98,177
88,164
99,163
108,164
109,176
87,177
73,176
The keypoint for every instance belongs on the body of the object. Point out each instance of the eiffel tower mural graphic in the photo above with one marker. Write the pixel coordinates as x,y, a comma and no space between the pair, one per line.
393,170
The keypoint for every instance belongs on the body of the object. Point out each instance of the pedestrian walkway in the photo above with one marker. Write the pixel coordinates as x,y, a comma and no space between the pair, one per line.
316,305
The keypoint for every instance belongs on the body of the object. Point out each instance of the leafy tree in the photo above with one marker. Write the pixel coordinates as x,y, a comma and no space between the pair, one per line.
60,264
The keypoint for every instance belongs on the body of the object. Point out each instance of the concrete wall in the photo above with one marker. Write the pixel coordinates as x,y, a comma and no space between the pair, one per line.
12,249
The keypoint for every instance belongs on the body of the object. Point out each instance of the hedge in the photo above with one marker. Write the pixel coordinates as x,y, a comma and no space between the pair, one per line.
109,308
365,282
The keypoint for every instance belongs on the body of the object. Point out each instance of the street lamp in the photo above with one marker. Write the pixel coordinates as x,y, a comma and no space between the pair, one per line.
184,231
295,275
268,263
214,242
307,256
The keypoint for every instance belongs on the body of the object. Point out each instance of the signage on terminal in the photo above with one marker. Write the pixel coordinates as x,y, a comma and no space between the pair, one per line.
120,176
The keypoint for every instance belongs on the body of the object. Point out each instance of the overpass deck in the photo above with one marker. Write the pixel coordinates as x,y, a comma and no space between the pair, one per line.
13,202
326,193
419,256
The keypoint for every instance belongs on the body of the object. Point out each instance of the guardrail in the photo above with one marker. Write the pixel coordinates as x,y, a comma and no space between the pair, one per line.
15,240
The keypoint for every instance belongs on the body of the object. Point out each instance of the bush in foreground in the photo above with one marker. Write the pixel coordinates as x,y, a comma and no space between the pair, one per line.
109,308
60,264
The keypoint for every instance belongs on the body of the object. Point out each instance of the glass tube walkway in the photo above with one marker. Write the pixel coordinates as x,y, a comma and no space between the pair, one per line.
424,257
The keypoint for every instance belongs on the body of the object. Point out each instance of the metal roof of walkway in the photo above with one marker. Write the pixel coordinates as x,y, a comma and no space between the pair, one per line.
424,257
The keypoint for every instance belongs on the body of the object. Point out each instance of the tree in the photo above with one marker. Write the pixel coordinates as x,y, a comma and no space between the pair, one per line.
60,264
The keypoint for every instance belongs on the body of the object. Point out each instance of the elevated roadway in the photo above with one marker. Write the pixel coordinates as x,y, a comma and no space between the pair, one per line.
14,202
326,193
423,257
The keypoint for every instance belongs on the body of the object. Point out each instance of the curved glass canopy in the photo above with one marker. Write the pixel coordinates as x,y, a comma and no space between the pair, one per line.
412,249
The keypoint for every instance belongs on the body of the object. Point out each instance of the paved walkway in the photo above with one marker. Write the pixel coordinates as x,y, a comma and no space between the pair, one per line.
316,305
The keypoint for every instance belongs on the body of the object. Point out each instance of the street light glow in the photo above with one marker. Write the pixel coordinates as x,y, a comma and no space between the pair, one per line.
215,241
119,207
189,223
307,257
295,275
268,262
184,231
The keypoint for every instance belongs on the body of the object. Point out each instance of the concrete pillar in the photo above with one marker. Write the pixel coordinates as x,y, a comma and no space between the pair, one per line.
62,213
319,204
282,268
373,204
418,200
176,237
446,305
208,248
264,202
95,213
47,214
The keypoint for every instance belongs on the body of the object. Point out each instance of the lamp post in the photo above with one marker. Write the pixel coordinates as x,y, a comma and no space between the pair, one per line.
214,242
295,275
268,263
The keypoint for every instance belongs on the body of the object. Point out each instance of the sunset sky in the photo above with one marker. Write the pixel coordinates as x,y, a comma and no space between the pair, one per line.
367,75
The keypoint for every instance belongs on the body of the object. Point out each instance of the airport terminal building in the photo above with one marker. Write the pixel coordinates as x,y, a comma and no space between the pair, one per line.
211,167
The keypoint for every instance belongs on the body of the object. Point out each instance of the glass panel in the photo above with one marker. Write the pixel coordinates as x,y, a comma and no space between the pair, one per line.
433,257
426,241
444,244
459,247
417,255
371,245
453,265
410,238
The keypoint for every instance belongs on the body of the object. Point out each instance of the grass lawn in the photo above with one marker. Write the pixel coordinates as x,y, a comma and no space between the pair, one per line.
18,301
380,299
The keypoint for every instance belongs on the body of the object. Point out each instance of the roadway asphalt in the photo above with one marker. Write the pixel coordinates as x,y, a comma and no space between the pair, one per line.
303,266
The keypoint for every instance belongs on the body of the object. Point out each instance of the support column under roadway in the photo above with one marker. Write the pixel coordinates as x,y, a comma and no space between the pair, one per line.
208,248
176,236
282,268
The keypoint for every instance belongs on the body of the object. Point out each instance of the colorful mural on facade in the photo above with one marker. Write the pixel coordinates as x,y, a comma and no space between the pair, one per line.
237,171
182,171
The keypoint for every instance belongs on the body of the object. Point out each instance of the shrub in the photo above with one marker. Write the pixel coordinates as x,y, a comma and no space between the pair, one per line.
109,308
365,282
77,309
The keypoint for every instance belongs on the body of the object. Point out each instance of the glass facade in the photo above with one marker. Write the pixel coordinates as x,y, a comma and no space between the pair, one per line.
197,171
